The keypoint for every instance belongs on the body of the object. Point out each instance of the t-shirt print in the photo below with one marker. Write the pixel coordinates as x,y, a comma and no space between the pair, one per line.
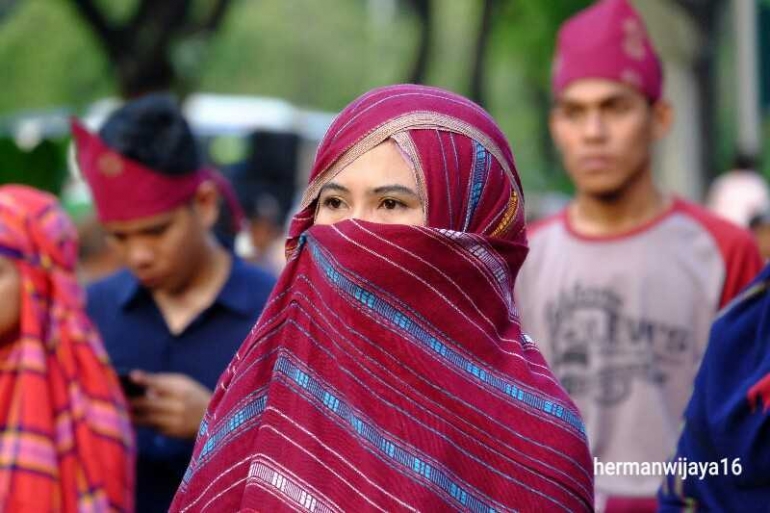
600,349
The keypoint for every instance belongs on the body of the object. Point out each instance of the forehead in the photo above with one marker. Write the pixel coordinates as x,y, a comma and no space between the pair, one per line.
384,162
143,223
589,91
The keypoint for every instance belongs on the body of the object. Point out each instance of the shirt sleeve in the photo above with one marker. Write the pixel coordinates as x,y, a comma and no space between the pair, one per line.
740,253
742,264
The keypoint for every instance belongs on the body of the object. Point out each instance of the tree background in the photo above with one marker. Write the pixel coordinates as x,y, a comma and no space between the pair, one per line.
315,54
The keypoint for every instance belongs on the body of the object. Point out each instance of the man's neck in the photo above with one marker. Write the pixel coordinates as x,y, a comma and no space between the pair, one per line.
606,216
182,306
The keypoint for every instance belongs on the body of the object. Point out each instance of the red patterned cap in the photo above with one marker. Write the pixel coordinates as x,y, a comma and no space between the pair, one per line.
607,40
124,189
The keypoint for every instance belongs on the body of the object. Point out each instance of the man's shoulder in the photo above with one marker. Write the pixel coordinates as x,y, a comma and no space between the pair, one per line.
739,253
105,296
251,273
110,286
725,232
247,288
540,227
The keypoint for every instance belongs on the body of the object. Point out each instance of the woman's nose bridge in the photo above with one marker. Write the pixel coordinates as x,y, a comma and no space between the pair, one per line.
361,212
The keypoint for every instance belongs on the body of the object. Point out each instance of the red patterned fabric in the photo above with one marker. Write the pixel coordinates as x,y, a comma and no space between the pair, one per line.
388,371
608,40
66,443
125,190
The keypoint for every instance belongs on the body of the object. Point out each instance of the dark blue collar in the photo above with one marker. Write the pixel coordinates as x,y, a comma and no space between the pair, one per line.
236,294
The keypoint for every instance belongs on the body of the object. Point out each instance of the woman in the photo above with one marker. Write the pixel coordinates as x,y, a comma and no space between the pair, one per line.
65,438
389,371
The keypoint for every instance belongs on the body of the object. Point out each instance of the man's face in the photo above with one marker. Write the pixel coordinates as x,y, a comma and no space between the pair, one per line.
605,132
162,250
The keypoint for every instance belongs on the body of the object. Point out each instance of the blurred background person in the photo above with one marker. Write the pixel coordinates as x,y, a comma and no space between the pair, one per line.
741,193
265,183
620,288
728,417
760,227
174,317
65,437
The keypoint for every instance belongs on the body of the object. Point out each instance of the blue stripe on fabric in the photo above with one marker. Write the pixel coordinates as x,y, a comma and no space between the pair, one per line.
477,181
369,432
387,403
400,319
237,419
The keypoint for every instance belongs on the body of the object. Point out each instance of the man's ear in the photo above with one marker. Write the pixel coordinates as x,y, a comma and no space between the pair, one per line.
662,118
206,203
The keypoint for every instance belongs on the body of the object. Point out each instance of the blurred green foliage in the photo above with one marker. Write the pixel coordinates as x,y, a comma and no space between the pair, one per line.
43,167
316,54
48,58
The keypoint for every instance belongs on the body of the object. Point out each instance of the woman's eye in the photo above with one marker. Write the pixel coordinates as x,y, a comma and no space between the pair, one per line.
391,204
332,203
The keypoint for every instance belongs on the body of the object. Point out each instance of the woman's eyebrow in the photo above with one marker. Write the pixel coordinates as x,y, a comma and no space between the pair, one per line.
385,189
333,187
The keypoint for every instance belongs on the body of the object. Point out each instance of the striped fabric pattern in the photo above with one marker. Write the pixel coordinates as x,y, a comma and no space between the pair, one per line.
388,371
66,443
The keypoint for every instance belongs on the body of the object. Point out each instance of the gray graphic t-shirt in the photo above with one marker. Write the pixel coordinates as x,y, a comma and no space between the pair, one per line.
623,323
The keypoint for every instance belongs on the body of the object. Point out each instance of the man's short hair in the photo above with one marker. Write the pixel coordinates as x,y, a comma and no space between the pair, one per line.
152,131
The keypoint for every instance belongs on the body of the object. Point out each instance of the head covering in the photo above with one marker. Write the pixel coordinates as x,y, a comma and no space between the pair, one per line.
389,371
124,189
607,40
65,442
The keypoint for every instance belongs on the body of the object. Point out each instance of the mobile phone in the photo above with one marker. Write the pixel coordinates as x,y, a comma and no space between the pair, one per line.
130,388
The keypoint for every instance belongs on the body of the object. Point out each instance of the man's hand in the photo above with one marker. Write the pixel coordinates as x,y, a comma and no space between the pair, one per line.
174,404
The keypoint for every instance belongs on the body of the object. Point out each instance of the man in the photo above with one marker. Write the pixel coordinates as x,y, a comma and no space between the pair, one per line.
173,319
619,289
265,183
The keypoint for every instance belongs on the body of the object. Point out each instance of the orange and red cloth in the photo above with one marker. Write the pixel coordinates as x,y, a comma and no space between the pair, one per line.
66,443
